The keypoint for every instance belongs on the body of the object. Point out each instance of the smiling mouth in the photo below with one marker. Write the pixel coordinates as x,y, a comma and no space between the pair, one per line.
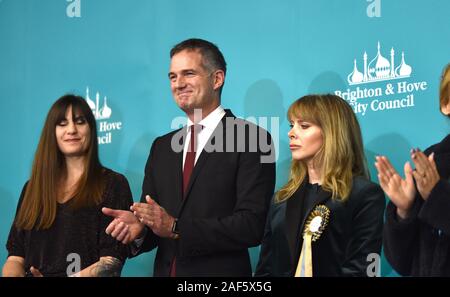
184,95
184,92
72,140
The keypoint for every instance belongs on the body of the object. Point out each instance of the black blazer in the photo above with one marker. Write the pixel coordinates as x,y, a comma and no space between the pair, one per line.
420,244
353,232
224,210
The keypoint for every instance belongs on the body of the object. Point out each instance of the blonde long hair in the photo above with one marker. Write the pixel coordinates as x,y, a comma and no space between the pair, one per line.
444,88
341,156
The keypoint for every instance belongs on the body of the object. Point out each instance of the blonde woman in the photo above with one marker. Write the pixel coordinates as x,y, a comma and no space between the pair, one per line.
328,219
417,231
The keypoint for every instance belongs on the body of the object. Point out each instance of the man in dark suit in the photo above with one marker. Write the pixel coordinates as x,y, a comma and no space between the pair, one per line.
207,186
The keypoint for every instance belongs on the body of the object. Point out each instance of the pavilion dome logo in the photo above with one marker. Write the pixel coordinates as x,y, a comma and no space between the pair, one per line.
394,90
102,114
379,69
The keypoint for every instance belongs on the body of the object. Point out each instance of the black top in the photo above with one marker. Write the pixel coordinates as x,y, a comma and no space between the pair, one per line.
420,244
311,196
73,231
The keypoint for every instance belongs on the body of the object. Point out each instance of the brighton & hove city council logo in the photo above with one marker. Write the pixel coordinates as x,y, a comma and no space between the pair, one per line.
396,93
102,114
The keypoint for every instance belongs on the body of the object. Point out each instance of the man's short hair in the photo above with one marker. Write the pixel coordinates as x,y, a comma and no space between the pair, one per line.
212,58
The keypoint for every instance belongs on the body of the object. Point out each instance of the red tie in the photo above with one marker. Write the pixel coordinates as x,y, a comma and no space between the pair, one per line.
189,163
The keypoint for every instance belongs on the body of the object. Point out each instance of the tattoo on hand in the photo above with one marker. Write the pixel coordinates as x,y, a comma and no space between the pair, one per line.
107,267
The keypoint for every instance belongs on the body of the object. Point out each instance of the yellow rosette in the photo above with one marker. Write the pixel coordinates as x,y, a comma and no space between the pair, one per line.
314,226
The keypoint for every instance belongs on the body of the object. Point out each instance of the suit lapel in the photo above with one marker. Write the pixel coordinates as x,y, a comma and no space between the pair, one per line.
204,155
198,166
294,207
176,166
178,169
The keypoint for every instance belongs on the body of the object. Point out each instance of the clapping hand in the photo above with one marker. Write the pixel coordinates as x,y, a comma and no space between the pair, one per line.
125,227
425,174
154,216
400,191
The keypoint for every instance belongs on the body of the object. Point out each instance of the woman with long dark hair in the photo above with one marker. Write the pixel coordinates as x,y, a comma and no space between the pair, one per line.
59,229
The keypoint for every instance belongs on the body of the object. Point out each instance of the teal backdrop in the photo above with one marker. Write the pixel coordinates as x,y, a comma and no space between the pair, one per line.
276,50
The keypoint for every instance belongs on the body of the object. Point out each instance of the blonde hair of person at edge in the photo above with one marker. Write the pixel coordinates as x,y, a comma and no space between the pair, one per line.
328,218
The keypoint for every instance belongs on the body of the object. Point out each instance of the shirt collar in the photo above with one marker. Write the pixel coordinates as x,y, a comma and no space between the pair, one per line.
211,119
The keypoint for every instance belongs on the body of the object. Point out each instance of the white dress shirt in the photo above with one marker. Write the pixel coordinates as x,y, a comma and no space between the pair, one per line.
209,124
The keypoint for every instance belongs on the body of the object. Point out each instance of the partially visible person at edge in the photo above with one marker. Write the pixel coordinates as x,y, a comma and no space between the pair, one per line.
59,228
328,219
417,231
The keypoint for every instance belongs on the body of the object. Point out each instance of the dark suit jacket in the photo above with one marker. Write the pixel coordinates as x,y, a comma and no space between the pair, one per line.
420,244
354,231
224,210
